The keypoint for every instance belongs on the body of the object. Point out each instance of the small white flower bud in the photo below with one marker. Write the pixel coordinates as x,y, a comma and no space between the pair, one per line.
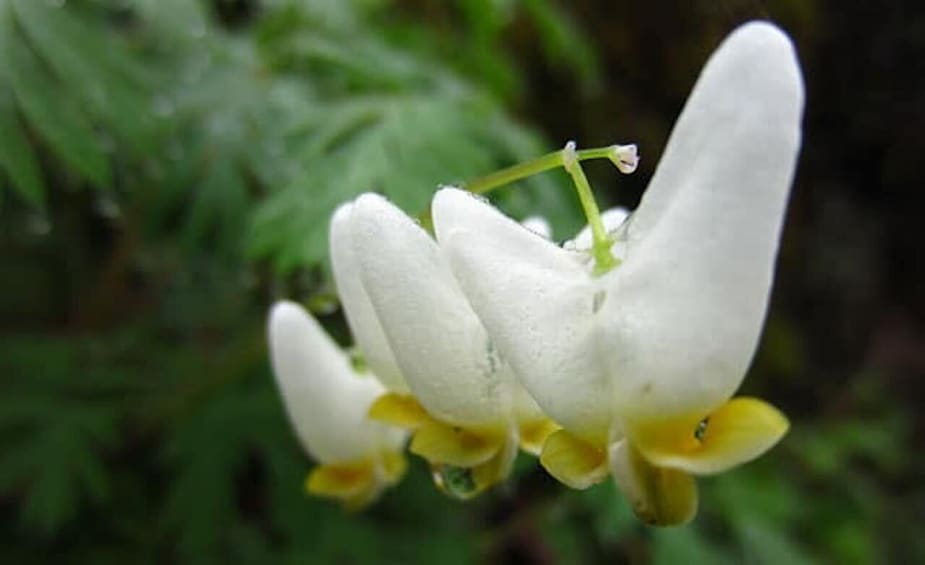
625,157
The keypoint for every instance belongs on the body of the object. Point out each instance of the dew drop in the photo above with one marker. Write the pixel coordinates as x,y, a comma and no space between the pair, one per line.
701,428
456,482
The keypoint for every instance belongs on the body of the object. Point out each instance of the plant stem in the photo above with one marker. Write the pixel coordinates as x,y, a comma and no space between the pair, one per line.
530,168
601,243
569,159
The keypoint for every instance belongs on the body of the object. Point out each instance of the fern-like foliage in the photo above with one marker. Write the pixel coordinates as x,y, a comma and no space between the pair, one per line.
56,430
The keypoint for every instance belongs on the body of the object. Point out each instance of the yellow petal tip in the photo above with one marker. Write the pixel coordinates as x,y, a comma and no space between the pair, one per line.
737,432
394,465
659,496
533,435
573,461
441,443
354,484
399,410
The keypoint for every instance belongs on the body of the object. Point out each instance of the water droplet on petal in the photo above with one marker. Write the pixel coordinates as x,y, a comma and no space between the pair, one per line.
456,482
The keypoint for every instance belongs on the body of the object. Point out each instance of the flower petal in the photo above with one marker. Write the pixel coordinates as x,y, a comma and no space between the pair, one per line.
533,425
393,466
399,410
325,400
496,469
741,430
688,302
364,324
573,461
344,481
445,354
533,435
660,497
538,225
442,443
536,300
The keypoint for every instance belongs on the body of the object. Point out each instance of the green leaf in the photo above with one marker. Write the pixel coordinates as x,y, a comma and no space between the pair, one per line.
92,65
56,427
56,117
17,158
208,452
54,460
404,146
218,208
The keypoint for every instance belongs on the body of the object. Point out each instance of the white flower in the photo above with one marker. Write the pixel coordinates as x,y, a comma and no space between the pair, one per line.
467,411
361,316
638,365
327,403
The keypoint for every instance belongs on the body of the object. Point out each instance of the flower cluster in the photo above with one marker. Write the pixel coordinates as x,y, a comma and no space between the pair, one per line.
614,354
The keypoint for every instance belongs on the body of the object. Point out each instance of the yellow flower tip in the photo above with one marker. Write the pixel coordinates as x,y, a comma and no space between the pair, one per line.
659,496
573,461
441,443
464,483
354,483
393,466
533,435
399,410
737,432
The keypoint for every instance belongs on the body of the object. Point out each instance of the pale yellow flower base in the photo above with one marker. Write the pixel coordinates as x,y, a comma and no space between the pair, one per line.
465,462
574,461
736,432
356,483
655,463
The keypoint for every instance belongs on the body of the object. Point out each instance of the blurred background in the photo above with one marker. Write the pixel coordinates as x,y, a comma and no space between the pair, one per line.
167,168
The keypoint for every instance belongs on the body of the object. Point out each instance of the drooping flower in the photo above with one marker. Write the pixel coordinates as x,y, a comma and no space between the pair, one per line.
327,402
364,323
638,363
468,413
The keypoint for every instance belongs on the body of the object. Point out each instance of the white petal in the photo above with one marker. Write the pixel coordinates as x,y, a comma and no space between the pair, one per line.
538,225
536,301
525,408
612,220
364,324
325,400
685,309
442,348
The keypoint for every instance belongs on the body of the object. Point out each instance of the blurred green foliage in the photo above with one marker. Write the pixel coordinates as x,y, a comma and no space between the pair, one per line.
168,167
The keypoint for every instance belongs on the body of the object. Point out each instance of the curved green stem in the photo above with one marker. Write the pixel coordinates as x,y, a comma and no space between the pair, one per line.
529,168
569,158
601,242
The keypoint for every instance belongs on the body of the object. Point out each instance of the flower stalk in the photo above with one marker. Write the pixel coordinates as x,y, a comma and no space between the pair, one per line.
623,156
601,242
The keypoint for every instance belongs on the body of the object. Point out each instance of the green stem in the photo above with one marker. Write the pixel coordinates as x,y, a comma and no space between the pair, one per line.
601,243
529,168
569,159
